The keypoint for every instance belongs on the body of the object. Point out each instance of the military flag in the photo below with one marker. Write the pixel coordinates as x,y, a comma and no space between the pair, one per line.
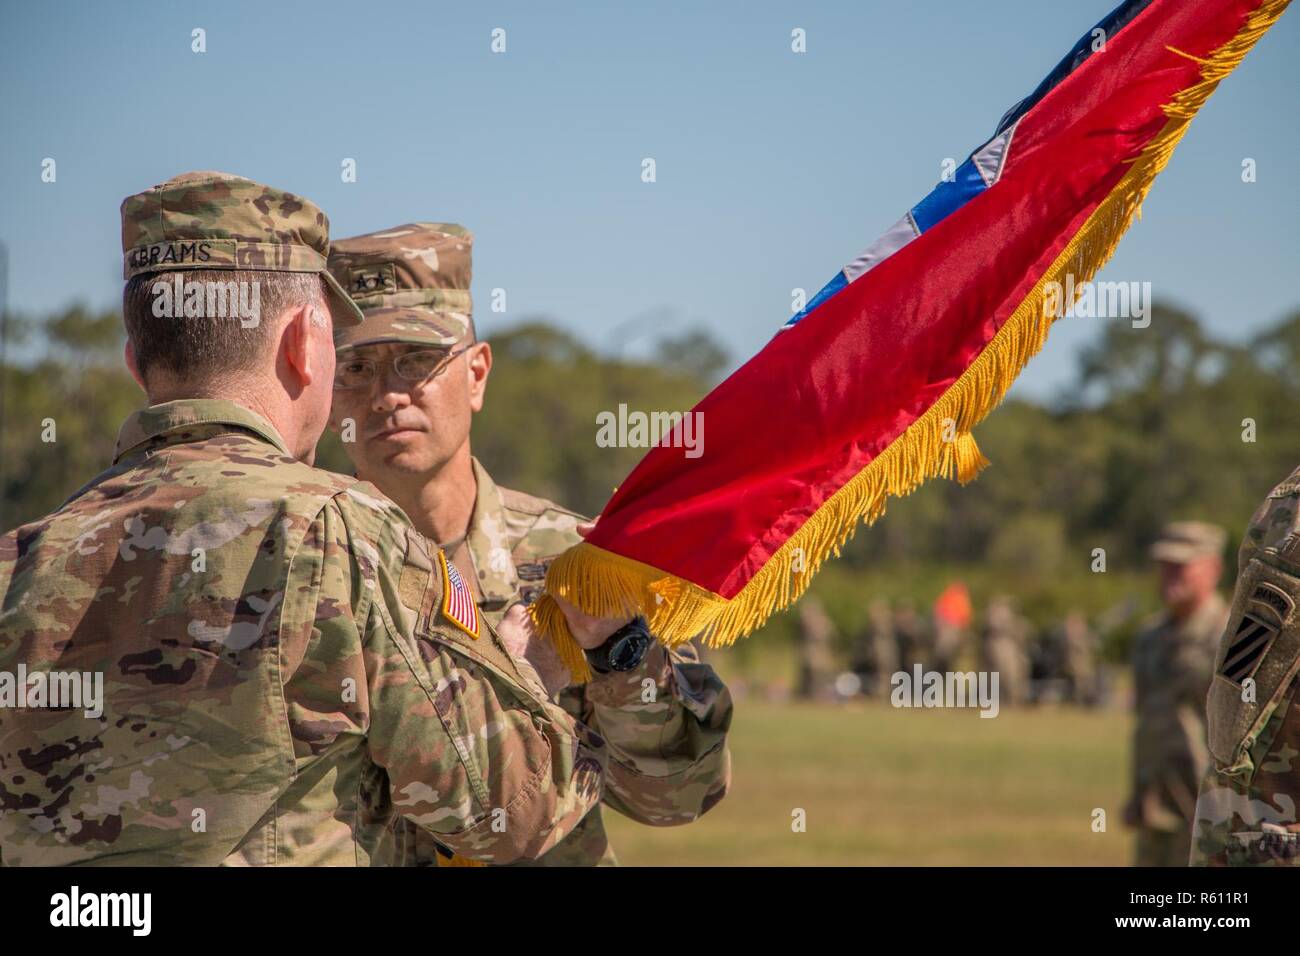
876,385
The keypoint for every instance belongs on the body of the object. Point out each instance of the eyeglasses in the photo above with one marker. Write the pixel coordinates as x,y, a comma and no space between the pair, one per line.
417,366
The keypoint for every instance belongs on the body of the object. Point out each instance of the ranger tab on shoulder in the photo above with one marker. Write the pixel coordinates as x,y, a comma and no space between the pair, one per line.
457,599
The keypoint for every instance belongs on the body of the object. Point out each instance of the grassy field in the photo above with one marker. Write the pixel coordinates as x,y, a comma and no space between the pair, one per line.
885,786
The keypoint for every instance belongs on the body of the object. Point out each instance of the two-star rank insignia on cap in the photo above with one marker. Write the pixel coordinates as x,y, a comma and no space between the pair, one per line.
457,599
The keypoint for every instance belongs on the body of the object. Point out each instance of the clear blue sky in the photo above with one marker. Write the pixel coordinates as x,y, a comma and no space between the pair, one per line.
774,169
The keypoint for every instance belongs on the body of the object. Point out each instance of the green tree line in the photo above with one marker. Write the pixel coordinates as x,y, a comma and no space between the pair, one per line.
1157,424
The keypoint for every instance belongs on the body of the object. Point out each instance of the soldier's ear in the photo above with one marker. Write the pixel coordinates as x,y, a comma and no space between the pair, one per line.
296,346
478,367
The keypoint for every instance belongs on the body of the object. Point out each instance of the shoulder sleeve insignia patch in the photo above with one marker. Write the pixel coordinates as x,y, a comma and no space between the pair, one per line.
1267,610
457,599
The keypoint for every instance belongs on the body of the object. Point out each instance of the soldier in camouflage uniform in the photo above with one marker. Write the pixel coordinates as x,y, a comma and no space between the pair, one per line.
875,651
1004,644
912,635
816,657
1172,663
1246,812
409,380
1077,646
286,675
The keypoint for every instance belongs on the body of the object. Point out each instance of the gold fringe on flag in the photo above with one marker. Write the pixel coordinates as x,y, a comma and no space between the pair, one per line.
938,443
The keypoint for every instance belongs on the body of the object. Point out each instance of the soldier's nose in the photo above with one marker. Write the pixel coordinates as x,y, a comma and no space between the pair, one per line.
388,399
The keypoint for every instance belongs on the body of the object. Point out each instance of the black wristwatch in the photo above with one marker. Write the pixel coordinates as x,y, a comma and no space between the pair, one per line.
624,650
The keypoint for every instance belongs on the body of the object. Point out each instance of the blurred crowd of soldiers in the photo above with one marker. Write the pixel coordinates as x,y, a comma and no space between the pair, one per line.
1055,665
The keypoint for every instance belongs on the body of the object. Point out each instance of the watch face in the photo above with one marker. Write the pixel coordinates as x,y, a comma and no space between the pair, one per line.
626,653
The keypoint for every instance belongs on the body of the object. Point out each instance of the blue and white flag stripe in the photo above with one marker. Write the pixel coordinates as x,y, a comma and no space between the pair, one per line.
978,173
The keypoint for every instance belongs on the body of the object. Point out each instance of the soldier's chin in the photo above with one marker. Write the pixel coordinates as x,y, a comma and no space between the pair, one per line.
406,460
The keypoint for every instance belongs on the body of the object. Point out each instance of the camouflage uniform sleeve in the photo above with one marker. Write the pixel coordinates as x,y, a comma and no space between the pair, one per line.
665,725
473,751
1246,812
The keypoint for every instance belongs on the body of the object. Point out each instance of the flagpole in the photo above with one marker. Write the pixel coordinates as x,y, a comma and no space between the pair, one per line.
4,373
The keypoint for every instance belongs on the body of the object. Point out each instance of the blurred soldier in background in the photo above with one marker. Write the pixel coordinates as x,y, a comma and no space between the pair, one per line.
1173,659
816,656
911,632
1246,813
952,616
1078,660
876,650
410,379
1006,645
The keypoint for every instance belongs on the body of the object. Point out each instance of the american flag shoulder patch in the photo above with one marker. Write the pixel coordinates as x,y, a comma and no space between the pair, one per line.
457,599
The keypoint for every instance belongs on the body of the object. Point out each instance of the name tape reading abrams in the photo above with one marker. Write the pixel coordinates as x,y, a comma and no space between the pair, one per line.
212,251
220,254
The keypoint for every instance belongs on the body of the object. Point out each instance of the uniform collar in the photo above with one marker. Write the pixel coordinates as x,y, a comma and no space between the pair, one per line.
159,424
489,542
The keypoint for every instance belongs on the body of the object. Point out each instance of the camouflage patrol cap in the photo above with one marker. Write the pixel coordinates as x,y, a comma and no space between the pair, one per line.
1183,541
411,282
211,220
